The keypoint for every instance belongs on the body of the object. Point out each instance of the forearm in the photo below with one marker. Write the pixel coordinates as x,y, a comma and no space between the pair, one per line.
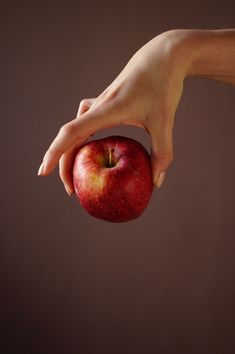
208,53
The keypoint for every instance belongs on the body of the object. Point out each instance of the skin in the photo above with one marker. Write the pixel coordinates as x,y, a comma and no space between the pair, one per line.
146,93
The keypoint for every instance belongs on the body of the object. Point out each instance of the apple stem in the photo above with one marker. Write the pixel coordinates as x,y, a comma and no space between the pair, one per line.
111,162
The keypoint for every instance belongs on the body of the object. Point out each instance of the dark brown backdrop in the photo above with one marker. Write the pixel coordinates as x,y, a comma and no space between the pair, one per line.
71,284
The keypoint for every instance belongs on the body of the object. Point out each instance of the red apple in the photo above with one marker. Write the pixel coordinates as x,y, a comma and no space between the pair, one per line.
113,178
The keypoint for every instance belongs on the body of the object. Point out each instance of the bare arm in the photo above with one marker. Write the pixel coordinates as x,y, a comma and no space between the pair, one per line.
211,53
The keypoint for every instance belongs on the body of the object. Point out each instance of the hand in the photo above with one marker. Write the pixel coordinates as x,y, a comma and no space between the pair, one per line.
146,94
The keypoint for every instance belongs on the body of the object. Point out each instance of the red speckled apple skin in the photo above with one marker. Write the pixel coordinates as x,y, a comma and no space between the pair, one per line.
113,178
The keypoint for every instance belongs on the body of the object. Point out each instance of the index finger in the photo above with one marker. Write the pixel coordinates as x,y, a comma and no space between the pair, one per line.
76,132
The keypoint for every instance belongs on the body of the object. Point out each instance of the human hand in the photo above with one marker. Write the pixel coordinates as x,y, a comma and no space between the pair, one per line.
146,94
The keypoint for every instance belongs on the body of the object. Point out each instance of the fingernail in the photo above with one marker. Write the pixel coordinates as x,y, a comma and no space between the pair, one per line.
160,179
40,171
69,192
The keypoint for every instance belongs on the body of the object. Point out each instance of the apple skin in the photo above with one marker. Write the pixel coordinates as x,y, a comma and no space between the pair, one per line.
113,178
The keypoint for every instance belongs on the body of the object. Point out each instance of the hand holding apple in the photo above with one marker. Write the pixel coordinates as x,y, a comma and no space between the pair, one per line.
113,178
145,94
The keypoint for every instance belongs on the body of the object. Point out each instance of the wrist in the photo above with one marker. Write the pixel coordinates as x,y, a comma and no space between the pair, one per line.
179,50
198,48
206,53
184,50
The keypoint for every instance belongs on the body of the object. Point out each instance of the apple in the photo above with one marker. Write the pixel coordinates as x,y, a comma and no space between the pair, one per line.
113,178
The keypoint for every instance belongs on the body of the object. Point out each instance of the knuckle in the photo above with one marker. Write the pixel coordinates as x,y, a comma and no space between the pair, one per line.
68,129
83,102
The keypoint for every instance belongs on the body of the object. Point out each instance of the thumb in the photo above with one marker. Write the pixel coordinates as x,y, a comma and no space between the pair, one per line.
162,154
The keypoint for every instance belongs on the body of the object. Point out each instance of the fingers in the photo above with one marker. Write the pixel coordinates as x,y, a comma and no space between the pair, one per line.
64,141
162,152
66,170
77,131
67,159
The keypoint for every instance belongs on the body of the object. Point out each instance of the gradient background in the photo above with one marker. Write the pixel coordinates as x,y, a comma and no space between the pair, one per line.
71,284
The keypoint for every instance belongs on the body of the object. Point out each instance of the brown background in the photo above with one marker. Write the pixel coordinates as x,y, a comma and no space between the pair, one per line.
71,284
